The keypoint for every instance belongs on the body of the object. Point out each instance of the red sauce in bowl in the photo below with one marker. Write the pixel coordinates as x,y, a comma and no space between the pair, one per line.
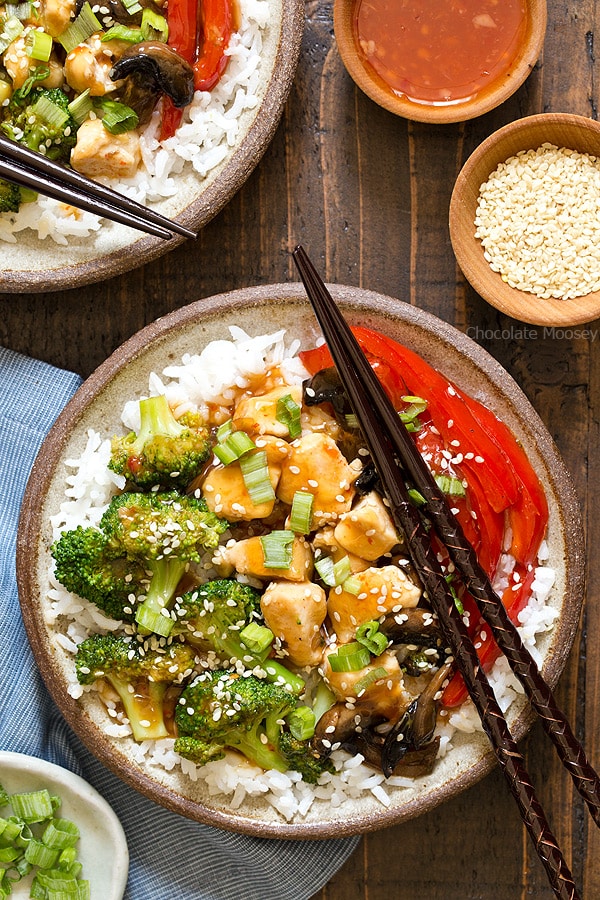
439,53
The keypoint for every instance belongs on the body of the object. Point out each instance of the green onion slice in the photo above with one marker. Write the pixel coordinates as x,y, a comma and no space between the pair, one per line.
224,430
120,32
60,833
450,485
154,26
10,29
154,621
50,112
132,6
302,723
352,585
257,638
255,472
22,11
333,573
350,657
34,806
369,635
288,413
370,678
117,118
39,45
417,498
234,446
301,512
81,107
83,27
277,547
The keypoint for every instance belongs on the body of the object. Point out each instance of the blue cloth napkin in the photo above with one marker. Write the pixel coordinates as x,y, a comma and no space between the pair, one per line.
188,860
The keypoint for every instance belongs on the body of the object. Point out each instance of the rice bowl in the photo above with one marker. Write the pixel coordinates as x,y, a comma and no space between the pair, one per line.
234,797
191,176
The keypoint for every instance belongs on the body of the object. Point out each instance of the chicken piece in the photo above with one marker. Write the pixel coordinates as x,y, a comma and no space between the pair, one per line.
325,540
382,590
295,613
367,530
258,414
247,558
20,66
225,491
88,65
315,464
98,153
56,14
386,696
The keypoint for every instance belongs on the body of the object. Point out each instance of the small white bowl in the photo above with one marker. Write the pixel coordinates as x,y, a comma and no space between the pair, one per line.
102,848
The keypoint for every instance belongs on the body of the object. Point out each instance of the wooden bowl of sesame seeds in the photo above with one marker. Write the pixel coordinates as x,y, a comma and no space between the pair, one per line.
524,220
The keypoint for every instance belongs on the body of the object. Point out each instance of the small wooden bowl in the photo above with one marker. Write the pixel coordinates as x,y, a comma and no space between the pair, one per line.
561,129
374,87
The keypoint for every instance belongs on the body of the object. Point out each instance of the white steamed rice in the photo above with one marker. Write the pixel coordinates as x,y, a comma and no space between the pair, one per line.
199,379
209,131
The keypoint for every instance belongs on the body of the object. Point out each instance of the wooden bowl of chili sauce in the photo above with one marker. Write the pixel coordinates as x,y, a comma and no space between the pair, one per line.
439,63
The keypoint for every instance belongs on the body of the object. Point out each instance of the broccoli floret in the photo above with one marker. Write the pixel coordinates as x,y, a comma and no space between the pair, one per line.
221,710
40,119
86,567
140,671
168,452
151,537
225,615
10,197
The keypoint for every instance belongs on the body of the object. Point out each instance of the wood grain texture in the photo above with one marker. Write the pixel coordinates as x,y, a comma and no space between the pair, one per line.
368,194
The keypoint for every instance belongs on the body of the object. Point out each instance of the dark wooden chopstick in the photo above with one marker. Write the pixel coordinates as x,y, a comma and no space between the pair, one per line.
29,169
477,583
352,366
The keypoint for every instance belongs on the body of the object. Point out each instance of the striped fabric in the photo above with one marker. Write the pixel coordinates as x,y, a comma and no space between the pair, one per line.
171,857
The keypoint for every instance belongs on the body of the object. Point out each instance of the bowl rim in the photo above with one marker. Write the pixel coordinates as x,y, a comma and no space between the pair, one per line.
142,249
496,148
489,99
361,303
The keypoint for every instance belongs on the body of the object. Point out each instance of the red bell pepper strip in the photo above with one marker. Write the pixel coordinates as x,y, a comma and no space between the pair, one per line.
202,42
503,490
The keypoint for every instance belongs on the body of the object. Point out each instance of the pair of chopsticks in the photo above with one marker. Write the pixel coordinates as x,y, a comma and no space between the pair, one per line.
396,457
29,169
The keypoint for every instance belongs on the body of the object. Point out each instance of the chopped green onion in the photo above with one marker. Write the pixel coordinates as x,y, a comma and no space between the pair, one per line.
154,26
60,833
81,106
349,658
80,29
10,29
351,420
120,32
232,447
39,45
352,585
277,549
34,806
154,621
132,6
8,855
3,796
370,678
322,699
257,638
301,512
288,413
22,11
333,574
117,118
371,637
50,112
255,472
38,854
457,601
224,430
302,723
417,498
450,485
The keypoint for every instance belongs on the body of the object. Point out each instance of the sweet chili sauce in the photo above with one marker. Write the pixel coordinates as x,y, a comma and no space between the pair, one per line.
439,53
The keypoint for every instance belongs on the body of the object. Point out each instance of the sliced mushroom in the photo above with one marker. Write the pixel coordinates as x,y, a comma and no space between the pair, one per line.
414,730
149,69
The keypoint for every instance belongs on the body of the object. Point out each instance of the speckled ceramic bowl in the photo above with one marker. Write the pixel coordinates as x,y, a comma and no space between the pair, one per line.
32,264
124,375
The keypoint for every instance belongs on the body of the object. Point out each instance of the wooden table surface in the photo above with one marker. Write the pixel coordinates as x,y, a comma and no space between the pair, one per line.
367,194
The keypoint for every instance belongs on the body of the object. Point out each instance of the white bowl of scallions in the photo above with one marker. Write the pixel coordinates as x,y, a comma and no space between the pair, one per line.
55,827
